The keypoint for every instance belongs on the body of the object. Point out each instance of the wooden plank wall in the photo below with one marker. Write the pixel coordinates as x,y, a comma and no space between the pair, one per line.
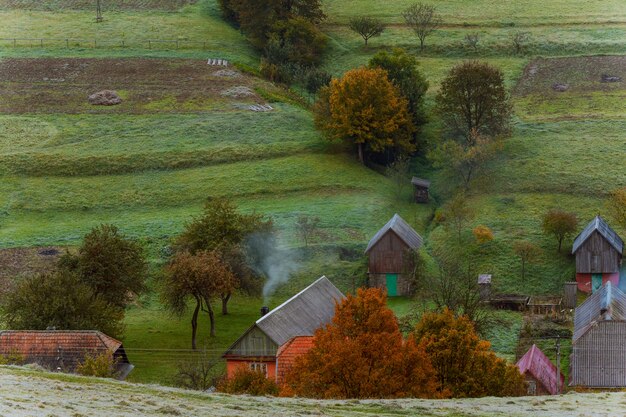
599,357
387,255
597,256
255,343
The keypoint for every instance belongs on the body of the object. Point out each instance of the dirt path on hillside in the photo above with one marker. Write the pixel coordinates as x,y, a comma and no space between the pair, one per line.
27,393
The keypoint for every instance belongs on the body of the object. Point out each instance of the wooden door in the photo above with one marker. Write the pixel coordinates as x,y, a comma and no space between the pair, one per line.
392,285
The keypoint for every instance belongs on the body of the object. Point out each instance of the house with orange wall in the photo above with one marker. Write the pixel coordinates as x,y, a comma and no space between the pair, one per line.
271,344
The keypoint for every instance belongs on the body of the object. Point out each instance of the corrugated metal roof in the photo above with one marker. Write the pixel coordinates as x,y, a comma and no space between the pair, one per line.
400,228
303,313
484,279
604,229
541,368
420,182
608,303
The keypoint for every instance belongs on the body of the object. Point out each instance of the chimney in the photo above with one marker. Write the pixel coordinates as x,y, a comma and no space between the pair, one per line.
264,310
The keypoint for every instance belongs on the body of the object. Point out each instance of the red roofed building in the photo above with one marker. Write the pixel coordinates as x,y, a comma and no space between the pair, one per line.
287,354
540,373
62,350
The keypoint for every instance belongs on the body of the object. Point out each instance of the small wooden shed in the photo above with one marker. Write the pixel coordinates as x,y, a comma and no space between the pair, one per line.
542,377
598,358
391,252
598,251
420,187
301,315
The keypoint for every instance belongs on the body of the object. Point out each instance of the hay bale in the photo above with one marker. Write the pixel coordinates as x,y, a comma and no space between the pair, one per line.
105,98
239,91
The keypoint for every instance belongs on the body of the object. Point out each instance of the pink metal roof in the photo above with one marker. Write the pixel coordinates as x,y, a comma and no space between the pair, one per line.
537,364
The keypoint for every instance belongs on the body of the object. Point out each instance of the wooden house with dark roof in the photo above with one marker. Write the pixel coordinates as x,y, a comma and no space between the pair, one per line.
420,189
540,373
301,315
598,250
63,350
598,358
391,257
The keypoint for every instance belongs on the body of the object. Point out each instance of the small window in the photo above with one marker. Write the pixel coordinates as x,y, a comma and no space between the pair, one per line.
259,366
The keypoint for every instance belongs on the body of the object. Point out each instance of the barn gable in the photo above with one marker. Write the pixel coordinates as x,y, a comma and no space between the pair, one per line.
402,229
598,224
300,315
536,364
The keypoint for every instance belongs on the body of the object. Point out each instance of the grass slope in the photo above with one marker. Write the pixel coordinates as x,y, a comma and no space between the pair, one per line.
24,392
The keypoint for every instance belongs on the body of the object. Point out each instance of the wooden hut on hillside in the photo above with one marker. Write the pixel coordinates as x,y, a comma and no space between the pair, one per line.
391,257
598,251
540,373
598,358
63,350
301,315
420,189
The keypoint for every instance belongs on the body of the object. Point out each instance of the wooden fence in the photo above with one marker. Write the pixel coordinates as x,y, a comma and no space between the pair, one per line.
102,43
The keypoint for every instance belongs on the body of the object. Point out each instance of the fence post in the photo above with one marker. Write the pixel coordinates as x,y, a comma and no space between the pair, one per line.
67,43
41,42
95,43
122,43
149,44
14,42
204,45
176,44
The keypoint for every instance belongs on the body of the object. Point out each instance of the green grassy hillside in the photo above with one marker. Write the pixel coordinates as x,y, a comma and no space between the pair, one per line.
179,137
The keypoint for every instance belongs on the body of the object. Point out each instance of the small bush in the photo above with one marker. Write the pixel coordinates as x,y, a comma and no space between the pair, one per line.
101,366
247,381
12,358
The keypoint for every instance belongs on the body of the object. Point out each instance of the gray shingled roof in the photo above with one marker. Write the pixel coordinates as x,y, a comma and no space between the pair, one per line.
302,314
603,228
608,298
421,182
402,229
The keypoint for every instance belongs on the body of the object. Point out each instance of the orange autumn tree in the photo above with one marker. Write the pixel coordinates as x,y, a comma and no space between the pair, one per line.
465,365
362,354
365,108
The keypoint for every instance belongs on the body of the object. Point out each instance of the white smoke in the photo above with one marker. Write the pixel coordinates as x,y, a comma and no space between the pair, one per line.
267,260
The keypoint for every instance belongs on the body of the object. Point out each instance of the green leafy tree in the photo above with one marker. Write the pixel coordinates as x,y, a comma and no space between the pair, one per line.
473,100
221,227
200,277
402,71
367,27
111,264
527,252
560,224
466,158
299,41
61,300
365,109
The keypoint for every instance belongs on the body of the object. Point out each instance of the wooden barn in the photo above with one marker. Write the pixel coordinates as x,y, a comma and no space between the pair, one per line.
420,189
598,251
62,350
598,358
390,257
540,373
275,334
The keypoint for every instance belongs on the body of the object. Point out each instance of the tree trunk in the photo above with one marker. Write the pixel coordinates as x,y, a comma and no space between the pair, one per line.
560,242
209,310
361,160
523,269
421,44
194,324
225,299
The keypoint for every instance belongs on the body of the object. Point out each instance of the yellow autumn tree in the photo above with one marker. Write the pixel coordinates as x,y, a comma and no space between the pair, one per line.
365,109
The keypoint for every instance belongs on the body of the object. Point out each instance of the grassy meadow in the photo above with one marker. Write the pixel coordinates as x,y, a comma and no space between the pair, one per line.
149,164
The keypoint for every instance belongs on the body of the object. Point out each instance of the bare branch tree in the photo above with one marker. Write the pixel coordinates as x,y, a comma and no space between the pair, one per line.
520,40
472,39
306,227
423,19
367,27
398,172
